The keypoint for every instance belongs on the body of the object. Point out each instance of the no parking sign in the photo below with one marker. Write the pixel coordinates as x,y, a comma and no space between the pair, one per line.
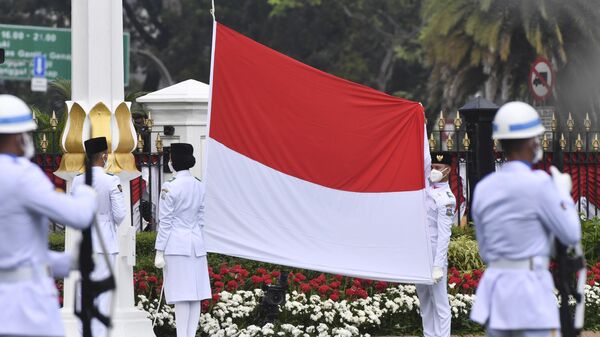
541,79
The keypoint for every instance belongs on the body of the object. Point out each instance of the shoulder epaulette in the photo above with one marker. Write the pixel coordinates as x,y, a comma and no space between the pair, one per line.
110,174
170,180
198,179
80,174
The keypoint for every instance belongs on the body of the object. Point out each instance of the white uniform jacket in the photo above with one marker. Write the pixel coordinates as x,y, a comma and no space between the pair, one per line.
517,213
30,306
440,214
111,207
181,216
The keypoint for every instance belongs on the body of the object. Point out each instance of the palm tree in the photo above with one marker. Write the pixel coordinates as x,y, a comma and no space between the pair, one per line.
488,45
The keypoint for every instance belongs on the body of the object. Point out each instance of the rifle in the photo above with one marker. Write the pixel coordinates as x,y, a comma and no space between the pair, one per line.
570,275
86,310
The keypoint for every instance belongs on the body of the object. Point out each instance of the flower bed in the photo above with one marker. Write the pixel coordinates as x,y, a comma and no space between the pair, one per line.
326,305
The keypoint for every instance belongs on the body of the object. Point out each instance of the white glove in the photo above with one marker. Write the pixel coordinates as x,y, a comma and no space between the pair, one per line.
561,180
159,260
436,274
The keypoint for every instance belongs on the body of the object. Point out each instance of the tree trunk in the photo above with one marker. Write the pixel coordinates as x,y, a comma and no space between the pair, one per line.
386,69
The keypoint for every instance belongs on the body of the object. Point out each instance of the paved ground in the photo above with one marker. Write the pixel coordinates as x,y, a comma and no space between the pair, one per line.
584,334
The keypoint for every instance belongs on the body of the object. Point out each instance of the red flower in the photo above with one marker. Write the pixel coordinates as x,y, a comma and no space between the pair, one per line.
362,293
356,283
261,271
143,286
232,285
467,276
275,274
300,277
454,280
591,282
477,272
335,296
466,286
305,287
256,279
335,284
224,270
152,279
380,285
219,284
268,280
339,277
216,277
324,289
216,297
350,292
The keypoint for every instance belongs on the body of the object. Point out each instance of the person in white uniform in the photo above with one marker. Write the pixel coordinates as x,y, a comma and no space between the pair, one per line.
180,243
111,212
28,296
441,204
518,212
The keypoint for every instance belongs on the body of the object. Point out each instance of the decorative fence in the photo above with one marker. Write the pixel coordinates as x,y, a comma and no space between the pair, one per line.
580,148
579,145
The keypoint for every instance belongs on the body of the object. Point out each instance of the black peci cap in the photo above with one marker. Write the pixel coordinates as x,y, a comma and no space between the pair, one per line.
95,145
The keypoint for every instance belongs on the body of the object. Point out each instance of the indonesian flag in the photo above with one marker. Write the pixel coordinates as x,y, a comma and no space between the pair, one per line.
309,170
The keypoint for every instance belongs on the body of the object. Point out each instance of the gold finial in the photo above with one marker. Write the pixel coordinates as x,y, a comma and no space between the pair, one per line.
149,121
562,142
432,142
449,143
545,143
587,123
457,121
44,143
553,123
579,143
441,121
495,145
570,123
140,143
159,144
53,121
466,141
596,143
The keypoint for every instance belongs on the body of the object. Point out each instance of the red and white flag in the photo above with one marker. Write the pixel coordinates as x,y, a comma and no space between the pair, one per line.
309,170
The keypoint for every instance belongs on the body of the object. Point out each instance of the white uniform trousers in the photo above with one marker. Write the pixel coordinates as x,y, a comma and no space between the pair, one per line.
522,333
100,272
435,308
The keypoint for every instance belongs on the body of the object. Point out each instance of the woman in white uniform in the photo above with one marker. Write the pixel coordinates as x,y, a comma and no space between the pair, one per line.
180,244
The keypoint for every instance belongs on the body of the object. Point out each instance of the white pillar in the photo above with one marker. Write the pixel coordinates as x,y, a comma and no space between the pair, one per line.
97,105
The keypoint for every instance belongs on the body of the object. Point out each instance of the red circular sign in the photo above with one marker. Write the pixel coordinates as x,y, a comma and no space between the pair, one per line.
541,79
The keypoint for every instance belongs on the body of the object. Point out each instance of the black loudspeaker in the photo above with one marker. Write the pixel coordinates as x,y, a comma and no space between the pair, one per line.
1,55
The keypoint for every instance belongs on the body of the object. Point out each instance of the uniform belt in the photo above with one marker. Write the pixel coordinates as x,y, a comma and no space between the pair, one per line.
23,274
531,263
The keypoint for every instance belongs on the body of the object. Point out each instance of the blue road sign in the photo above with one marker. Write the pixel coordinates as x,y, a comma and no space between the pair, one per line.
39,66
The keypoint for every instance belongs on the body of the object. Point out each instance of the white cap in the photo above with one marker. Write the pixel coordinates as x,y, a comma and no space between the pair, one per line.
15,115
517,120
